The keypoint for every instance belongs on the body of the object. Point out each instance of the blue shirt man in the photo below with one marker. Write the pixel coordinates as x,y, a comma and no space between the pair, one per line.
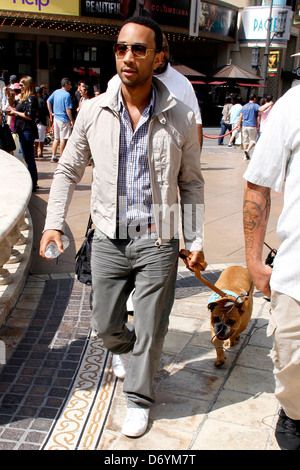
248,124
248,120
61,101
60,109
250,114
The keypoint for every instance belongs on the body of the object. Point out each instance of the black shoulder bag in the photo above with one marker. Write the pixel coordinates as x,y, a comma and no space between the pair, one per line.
7,142
83,257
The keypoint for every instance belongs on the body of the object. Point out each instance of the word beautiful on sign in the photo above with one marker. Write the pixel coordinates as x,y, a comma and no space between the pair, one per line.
110,8
67,7
254,24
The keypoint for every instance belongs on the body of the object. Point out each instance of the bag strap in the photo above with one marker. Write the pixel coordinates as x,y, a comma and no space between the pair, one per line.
90,223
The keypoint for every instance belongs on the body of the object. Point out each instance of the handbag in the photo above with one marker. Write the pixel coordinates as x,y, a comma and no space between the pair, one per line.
83,257
6,138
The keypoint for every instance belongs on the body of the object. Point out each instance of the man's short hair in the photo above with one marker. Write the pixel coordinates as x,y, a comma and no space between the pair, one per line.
149,23
252,96
65,81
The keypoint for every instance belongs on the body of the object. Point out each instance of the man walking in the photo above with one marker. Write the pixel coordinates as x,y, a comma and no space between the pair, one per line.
235,112
177,84
60,110
275,166
248,123
145,150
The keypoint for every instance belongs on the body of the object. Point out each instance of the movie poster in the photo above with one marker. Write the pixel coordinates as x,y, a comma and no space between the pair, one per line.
218,20
273,62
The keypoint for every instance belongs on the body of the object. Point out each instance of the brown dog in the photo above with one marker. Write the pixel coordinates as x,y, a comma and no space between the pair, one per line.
230,315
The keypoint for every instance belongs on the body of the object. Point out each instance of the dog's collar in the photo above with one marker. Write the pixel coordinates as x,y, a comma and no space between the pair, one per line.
214,297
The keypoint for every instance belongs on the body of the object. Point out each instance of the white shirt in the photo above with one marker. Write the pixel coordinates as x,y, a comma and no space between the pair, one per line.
235,113
276,164
178,85
264,116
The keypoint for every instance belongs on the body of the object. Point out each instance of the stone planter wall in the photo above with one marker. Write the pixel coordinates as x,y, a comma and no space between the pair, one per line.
15,230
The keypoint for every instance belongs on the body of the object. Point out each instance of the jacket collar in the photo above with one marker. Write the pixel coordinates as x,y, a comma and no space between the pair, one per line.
163,101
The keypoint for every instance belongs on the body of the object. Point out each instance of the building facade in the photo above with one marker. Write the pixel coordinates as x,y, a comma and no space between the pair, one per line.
50,39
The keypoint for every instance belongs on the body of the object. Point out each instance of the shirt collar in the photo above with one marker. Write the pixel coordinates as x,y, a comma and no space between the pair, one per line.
149,108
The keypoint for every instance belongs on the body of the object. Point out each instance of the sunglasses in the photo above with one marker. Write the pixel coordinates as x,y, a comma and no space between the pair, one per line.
139,51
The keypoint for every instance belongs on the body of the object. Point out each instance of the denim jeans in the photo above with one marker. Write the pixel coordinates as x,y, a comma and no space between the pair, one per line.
224,128
27,146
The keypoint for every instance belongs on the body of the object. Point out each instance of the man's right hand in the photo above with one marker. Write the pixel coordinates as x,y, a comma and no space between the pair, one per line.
260,274
48,237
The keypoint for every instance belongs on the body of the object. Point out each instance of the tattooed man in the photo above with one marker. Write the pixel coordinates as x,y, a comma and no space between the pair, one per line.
276,166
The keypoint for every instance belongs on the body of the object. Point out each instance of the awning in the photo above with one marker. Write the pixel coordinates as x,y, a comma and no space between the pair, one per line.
233,71
195,82
187,71
217,83
253,85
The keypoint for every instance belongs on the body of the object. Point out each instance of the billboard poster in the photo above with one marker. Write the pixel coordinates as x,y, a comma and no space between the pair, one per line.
218,20
67,7
297,13
273,62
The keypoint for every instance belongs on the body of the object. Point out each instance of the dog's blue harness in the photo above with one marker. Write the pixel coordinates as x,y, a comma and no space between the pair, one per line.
214,297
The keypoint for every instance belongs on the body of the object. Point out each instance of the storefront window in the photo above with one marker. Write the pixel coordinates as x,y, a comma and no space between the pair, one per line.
86,54
24,49
55,50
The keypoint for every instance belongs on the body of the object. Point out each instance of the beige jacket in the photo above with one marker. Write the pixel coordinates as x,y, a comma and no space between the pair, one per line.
174,165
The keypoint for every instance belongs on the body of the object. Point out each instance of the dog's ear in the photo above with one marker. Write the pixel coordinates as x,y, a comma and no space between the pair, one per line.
240,306
212,306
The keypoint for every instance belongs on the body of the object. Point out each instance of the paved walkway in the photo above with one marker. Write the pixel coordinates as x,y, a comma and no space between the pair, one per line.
57,390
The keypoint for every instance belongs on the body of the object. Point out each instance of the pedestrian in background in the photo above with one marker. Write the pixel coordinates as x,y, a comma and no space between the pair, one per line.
25,112
225,121
263,116
235,112
249,124
41,122
60,110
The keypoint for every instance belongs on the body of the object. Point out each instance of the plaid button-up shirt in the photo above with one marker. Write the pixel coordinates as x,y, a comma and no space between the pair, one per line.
134,188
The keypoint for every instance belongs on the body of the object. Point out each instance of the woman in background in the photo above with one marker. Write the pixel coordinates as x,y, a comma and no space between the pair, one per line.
25,126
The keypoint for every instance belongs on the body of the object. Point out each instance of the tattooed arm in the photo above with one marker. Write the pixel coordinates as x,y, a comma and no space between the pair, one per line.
256,212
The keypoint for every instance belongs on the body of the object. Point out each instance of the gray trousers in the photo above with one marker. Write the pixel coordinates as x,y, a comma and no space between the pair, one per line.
118,267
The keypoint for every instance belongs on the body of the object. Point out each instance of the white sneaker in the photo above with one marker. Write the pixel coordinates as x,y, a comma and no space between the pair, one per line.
119,364
136,422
